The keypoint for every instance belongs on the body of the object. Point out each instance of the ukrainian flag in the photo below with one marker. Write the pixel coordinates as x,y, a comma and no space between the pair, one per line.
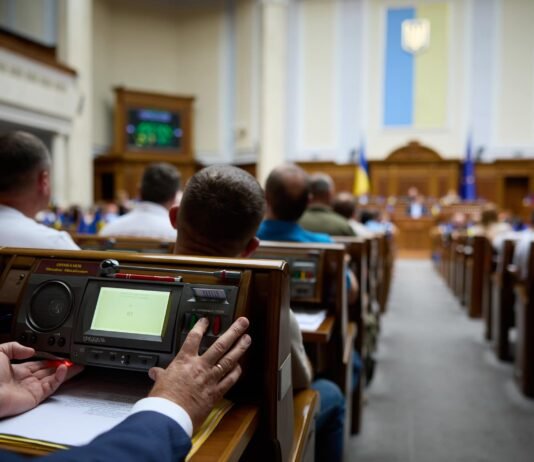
361,175
416,84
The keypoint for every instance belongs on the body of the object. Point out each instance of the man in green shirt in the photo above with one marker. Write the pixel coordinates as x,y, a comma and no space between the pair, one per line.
319,216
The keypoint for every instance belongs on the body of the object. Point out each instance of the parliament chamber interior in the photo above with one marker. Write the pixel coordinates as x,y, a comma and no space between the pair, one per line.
277,230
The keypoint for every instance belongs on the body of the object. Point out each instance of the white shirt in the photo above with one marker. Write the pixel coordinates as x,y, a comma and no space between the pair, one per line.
168,408
522,252
360,229
147,219
17,230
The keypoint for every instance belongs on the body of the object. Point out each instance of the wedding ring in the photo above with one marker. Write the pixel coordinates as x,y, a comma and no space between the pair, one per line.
220,367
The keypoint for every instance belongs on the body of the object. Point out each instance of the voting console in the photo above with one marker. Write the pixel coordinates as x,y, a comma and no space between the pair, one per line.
114,322
132,311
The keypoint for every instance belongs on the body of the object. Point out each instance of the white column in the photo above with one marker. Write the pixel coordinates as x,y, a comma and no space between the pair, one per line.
75,50
273,86
59,170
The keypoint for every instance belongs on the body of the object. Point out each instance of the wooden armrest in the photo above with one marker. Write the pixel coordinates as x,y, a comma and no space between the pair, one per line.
352,331
305,406
322,334
231,437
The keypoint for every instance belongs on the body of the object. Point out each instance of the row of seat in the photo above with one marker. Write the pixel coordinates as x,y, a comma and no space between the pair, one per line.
269,422
486,283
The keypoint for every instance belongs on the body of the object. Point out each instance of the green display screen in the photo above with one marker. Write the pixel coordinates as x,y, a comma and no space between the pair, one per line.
131,311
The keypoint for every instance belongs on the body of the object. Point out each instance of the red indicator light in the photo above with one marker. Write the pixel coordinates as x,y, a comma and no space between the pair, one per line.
68,363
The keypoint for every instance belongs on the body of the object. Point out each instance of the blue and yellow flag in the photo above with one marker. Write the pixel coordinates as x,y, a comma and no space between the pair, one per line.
361,175
416,86
468,191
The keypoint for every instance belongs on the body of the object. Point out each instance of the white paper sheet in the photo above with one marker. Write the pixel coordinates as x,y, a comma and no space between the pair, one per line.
81,410
310,320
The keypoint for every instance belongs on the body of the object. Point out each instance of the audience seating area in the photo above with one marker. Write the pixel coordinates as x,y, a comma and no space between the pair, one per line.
267,419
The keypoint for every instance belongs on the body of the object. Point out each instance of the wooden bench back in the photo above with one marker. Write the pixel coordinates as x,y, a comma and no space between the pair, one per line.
123,244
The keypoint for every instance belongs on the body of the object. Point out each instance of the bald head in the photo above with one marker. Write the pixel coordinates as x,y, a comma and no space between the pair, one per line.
322,188
220,211
22,156
24,173
287,191
345,204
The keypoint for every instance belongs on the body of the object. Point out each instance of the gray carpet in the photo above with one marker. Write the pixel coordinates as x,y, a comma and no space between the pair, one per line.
439,394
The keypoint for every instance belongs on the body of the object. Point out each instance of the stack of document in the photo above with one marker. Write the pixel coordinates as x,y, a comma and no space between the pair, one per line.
84,408
310,320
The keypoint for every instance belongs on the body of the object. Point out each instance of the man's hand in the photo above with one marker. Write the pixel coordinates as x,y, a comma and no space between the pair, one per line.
23,386
196,382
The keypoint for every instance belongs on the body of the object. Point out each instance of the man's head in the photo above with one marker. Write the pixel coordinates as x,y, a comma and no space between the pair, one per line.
220,212
287,191
160,184
322,188
24,173
345,205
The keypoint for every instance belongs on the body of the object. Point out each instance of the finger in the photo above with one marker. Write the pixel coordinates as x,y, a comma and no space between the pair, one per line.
14,350
216,351
34,366
46,372
154,372
51,383
229,381
192,341
73,370
229,361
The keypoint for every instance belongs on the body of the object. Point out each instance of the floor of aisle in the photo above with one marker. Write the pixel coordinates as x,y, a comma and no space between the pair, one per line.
439,394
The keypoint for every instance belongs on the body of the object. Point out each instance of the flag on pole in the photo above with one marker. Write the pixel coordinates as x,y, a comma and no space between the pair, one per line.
467,185
361,174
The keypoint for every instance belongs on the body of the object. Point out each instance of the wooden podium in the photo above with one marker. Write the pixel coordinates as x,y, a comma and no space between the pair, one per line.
148,127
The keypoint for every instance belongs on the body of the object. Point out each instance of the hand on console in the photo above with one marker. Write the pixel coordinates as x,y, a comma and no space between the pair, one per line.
196,382
23,386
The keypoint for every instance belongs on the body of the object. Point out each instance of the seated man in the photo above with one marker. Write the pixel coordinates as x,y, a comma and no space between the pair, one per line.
345,204
219,214
320,216
150,217
287,193
159,427
25,190
523,240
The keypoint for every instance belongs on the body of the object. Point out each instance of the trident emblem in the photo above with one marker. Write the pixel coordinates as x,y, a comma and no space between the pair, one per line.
415,35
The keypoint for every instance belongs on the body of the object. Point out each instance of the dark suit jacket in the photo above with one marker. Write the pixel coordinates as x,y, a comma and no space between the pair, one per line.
143,437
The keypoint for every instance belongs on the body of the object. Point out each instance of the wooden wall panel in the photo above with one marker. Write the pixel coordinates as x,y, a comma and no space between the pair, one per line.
416,165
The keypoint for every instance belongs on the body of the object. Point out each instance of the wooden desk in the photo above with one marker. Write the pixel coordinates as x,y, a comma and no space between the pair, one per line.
231,437
414,234
305,406
323,332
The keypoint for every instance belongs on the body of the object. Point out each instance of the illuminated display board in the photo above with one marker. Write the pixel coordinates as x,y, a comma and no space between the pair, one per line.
153,129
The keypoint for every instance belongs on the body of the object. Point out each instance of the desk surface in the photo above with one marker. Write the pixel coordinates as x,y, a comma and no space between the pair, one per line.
322,334
231,437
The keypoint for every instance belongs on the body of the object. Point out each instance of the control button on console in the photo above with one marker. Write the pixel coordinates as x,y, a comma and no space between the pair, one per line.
23,338
192,321
216,325
112,356
125,359
33,339
61,341
51,340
